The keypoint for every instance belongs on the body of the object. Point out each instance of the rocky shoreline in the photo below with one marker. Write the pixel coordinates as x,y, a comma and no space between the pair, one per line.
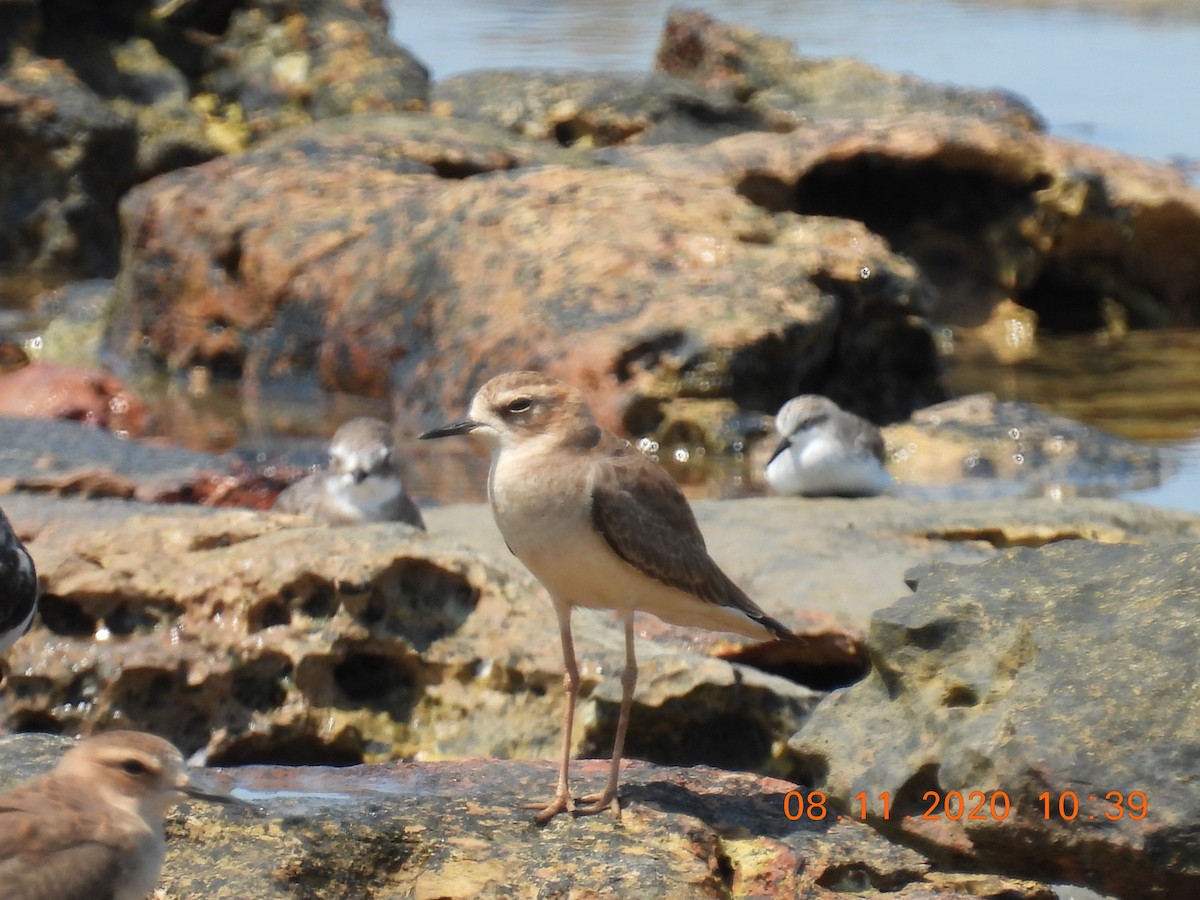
996,689
250,638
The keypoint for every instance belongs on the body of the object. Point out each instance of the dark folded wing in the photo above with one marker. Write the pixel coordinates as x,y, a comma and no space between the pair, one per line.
647,521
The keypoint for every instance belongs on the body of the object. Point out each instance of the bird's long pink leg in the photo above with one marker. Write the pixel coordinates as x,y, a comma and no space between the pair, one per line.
608,799
562,802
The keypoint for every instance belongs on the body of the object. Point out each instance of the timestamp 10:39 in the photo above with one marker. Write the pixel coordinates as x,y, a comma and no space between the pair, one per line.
977,806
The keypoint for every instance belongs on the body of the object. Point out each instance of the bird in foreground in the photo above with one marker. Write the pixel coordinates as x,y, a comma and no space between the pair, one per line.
92,827
18,586
601,526
825,451
361,485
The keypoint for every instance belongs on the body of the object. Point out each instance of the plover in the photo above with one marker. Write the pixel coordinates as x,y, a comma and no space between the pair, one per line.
825,450
18,586
361,484
599,525
92,827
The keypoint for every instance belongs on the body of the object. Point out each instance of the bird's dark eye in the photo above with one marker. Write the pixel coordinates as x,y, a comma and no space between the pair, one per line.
134,767
520,405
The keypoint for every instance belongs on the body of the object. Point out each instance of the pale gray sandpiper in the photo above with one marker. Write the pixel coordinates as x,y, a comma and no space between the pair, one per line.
361,485
92,827
826,451
599,525
18,586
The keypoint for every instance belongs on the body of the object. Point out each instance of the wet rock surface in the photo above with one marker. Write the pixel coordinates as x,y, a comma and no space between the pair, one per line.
453,830
1064,678
261,638
1003,447
690,277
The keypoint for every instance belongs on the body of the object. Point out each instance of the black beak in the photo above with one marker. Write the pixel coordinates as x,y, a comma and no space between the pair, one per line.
463,426
214,794
783,445
359,476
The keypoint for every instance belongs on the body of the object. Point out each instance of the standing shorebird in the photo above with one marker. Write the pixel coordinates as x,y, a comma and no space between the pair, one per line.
361,485
599,525
92,827
18,586
825,450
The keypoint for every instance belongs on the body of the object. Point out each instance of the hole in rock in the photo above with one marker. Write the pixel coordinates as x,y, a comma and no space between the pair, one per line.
65,617
288,750
960,695
910,799
320,603
371,679
687,731
822,665
258,684
31,722
418,600
268,613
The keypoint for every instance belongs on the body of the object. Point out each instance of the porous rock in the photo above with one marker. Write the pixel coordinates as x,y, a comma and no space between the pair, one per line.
453,829
261,638
1055,691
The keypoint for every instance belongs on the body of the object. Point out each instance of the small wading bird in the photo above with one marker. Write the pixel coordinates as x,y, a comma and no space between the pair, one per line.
93,827
825,451
18,586
599,525
362,483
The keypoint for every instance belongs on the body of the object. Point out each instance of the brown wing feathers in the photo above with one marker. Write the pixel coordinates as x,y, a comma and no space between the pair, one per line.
647,522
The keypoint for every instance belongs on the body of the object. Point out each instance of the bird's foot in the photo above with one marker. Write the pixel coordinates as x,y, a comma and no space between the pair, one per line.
561,802
598,803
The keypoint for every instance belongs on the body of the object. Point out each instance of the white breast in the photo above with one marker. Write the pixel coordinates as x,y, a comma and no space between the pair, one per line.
819,464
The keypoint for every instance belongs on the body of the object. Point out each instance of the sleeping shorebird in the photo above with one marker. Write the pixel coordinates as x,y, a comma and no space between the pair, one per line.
92,827
825,450
18,586
599,525
361,485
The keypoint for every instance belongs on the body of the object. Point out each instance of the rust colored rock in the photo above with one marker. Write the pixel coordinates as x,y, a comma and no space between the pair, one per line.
91,396
430,285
